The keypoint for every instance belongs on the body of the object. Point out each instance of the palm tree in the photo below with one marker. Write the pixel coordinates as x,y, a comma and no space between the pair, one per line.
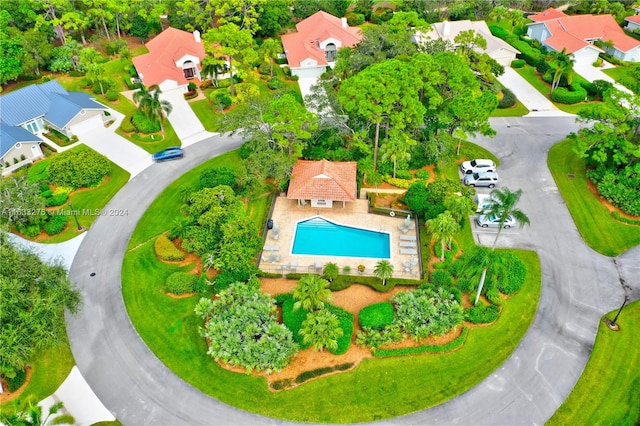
321,329
150,104
564,67
311,293
33,416
502,205
443,228
212,66
330,271
459,206
383,270
269,49
397,148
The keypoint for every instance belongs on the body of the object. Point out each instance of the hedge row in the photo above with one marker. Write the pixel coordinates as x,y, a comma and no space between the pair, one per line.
166,250
416,350
575,94
508,99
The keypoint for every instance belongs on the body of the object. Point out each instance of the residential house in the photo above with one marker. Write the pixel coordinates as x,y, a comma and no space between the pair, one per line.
323,182
315,45
174,59
633,22
26,113
498,49
577,35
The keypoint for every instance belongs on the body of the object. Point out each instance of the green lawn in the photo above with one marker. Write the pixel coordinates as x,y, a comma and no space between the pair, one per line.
622,76
608,390
530,74
50,368
594,222
94,199
468,151
378,388
518,110
210,119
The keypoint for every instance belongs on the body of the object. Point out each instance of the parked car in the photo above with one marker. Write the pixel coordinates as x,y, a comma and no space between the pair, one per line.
477,166
481,179
172,153
492,221
483,202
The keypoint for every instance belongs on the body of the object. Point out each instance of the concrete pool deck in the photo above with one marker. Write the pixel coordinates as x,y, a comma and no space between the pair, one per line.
287,213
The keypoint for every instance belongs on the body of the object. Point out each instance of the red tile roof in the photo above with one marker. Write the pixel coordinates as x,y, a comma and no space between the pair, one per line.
575,32
550,13
323,180
634,18
164,50
315,29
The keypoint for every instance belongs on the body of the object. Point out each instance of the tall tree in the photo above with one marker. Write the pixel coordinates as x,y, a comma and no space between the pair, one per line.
383,270
563,63
468,40
311,293
275,15
321,329
34,297
460,206
91,60
150,104
236,44
269,49
243,13
502,204
10,50
20,202
442,228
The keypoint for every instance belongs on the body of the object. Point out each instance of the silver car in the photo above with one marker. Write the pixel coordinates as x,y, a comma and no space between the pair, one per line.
479,165
493,221
481,179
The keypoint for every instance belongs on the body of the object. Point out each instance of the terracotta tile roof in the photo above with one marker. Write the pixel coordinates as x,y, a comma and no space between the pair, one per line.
575,32
550,13
164,50
634,18
323,180
318,27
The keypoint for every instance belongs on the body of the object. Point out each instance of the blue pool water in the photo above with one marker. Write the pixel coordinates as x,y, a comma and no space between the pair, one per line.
318,236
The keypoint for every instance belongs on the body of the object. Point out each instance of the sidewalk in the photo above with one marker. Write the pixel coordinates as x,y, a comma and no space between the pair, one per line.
63,252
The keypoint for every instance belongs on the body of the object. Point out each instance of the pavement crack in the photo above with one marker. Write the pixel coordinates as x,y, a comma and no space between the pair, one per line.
623,283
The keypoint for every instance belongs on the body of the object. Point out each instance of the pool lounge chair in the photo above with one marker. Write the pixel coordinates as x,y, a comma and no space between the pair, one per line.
408,251
293,266
408,237
410,244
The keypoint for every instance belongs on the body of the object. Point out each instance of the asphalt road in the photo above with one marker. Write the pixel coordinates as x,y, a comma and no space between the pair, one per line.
579,285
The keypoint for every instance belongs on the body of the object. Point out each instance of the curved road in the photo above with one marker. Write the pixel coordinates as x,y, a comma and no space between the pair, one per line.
579,285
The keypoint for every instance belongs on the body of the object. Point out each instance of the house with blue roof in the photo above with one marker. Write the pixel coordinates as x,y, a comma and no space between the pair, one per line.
26,113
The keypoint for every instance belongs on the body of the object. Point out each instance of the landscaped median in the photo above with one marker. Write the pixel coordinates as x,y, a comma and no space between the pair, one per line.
378,388
596,224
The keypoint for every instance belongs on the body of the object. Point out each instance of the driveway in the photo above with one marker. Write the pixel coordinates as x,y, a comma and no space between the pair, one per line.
107,142
578,286
592,73
536,102
184,121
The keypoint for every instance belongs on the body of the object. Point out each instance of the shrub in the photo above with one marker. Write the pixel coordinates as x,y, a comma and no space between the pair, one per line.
56,224
78,167
400,183
531,55
16,381
482,314
376,316
275,83
574,95
221,100
127,125
493,296
246,91
62,190
142,123
518,63
515,273
46,194
381,14
508,99
112,95
422,174
210,178
56,200
181,282
166,250
404,174
601,86
225,278
441,278
498,31
30,231
191,86
354,19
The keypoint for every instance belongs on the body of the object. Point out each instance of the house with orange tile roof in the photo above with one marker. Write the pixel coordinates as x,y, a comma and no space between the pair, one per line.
315,45
577,34
174,58
323,182
633,22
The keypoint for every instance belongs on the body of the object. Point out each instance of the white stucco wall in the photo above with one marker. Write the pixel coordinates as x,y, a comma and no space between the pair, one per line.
308,72
586,56
538,32
631,26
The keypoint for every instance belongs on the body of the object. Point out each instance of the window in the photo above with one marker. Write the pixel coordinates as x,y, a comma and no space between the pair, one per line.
330,52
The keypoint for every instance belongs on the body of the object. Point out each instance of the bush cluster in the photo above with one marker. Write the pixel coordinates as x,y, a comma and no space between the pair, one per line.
508,99
482,314
518,63
78,167
354,19
575,94
181,282
400,183
376,316
498,31
531,55
404,174
620,187
422,174
166,250
275,83
143,124
381,14
226,278
441,278
212,177
56,224
112,95
56,200
18,380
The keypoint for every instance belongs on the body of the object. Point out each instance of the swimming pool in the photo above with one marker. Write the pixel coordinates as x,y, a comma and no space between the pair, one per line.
318,236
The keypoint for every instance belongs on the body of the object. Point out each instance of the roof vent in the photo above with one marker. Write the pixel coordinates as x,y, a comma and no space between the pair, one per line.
344,22
196,36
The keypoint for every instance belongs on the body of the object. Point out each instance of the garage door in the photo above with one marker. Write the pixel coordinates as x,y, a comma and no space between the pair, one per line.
87,125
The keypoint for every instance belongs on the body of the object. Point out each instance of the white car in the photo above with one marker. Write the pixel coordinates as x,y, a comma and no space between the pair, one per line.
477,166
483,202
493,221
